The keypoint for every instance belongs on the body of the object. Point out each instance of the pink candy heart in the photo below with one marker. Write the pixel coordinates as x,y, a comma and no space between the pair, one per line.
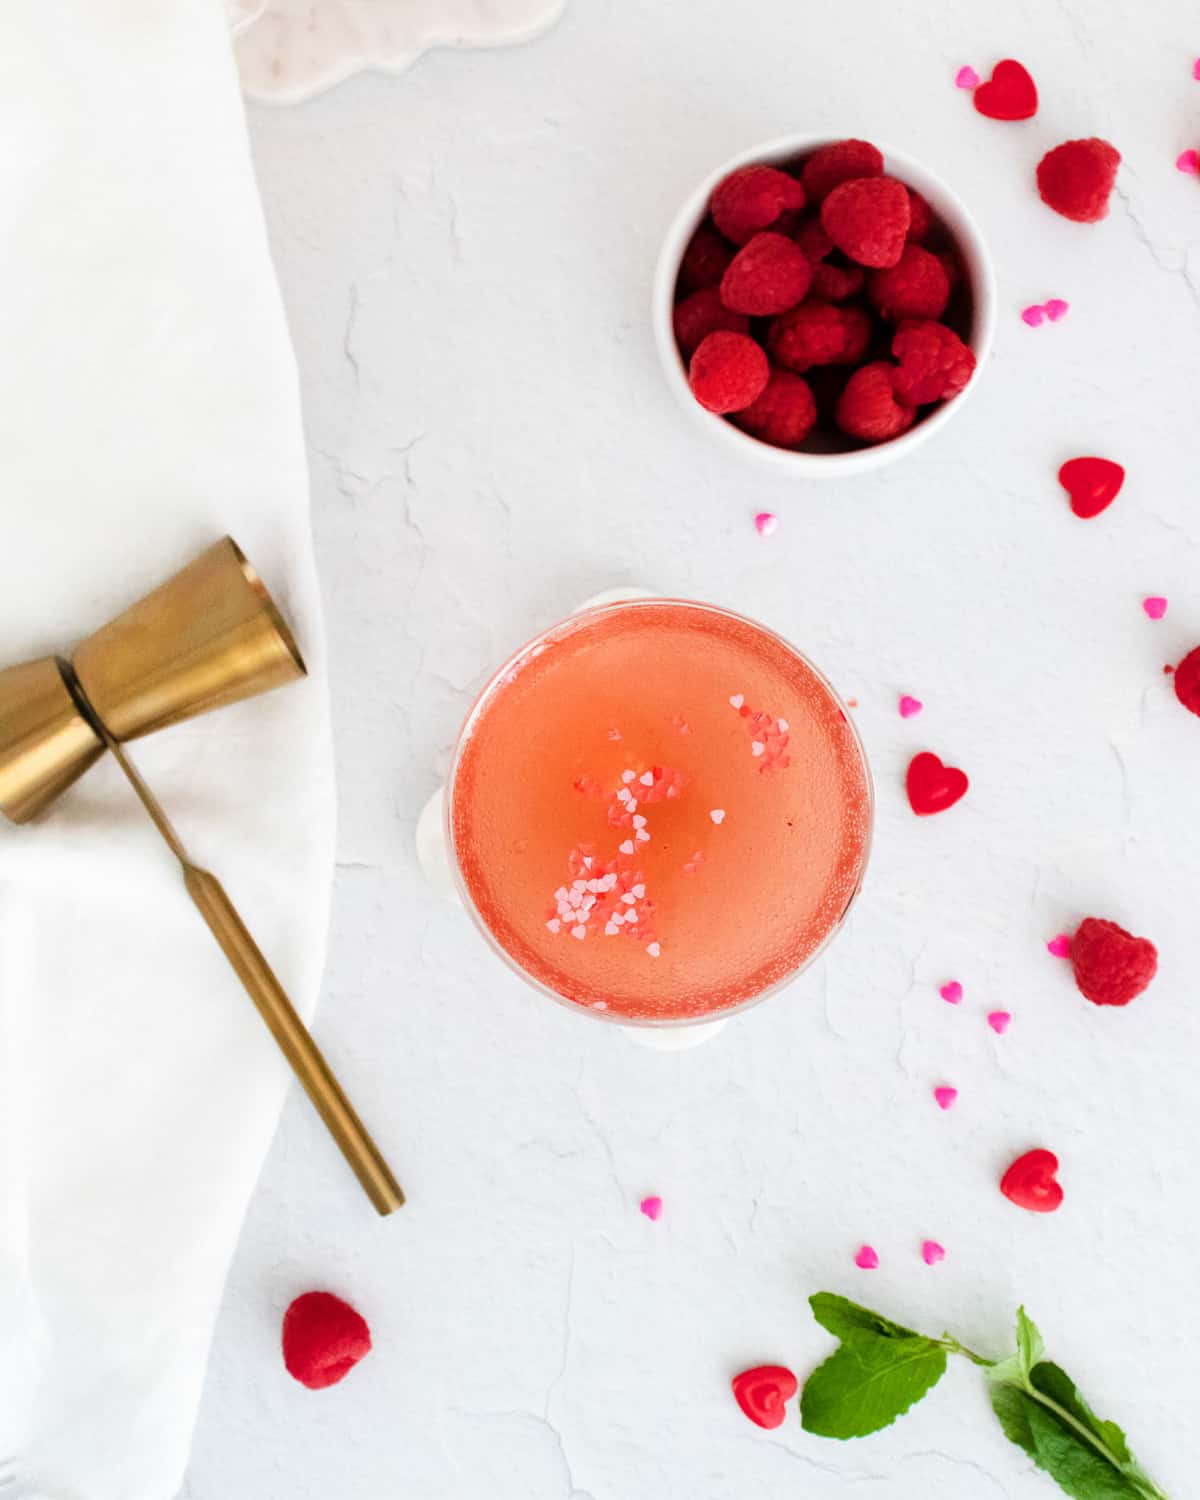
1034,315
1060,946
999,1021
968,78
945,1096
1037,312
1056,308
866,1259
952,993
932,1253
1189,162
765,523
1155,606
909,706
652,1207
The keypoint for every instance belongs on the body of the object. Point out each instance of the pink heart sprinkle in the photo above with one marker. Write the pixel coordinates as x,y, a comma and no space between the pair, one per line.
952,993
1196,68
932,1253
1034,315
1060,946
999,1021
1155,606
1056,308
968,78
909,706
766,524
945,1096
1189,162
866,1259
651,1207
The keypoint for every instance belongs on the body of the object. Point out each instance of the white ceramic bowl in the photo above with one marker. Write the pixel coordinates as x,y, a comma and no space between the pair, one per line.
977,268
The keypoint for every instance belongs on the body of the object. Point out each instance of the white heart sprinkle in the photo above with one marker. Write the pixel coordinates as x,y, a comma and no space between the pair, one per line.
757,747
737,700
627,847
579,885
783,725
561,893
653,949
627,776
599,1004
642,836
639,821
554,925
611,929
588,902
587,861
638,890
647,778
629,898
579,932
717,815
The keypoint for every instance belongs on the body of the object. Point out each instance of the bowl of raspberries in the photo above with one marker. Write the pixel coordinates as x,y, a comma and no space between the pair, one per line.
823,305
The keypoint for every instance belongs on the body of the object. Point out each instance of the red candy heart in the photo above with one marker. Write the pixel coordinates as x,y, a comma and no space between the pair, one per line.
1092,483
1009,94
761,1393
323,1339
933,787
1030,1182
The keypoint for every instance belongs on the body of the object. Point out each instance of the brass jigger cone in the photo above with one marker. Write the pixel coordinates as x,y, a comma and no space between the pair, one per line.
207,637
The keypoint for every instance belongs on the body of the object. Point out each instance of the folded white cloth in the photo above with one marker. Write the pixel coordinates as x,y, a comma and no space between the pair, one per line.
148,404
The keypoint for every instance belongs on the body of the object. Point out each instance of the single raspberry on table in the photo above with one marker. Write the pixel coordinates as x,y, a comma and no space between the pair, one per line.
704,261
819,333
915,287
867,219
751,199
868,408
1187,681
810,235
832,165
1112,967
934,363
1076,178
920,218
727,372
703,313
836,283
323,1339
768,275
784,414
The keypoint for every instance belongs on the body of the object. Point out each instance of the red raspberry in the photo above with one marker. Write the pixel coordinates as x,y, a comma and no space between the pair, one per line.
728,371
868,408
920,218
784,414
836,283
323,1339
831,165
752,198
811,237
704,261
701,314
819,333
915,287
935,364
867,219
1111,965
1076,178
952,268
1187,681
768,275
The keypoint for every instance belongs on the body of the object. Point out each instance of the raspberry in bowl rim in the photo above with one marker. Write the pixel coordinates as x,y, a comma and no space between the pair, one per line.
977,268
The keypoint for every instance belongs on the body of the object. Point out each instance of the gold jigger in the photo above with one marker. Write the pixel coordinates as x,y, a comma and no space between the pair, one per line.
207,637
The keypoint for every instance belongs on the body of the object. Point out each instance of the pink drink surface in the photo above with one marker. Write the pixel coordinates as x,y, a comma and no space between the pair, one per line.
660,811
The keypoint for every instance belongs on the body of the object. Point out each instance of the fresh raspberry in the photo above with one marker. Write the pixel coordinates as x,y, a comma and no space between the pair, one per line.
704,261
831,165
1187,681
935,364
768,275
701,314
1076,178
915,287
952,268
752,198
1111,965
323,1339
784,414
727,372
811,237
819,333
867,219
836,283
920,218
868,408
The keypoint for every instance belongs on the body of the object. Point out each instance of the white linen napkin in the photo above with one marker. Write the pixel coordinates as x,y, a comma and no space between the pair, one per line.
148,404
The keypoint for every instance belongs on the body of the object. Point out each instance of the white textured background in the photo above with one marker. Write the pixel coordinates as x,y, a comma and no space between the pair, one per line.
466,256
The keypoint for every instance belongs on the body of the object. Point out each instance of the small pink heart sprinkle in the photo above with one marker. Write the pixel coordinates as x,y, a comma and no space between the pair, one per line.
766,524
945,1096
909,706
653,949
866,1259
651,1207
932,1253
1056,308
1060,946
966,78
1155,606
627,846
737,700
952,993
1189,162
1196,68
1034,315
999,1021
717,815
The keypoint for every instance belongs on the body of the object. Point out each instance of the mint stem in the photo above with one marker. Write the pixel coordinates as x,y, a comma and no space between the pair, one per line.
952,1346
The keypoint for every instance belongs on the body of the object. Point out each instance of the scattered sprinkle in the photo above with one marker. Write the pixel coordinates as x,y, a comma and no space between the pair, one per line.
639,820
866,1259
627,776
757,748
909,706
1196,68
652,1207
1060,946
614,735
1155,606
1034,315
638,890
611,929
579,931
766,523
966,78
653,949
641,836
1189,162
932,1253
737,700
782,725
851,702
599,1004
999,1021
554,925
952,993
1038,312
1056,308
627,847
717,815
647,778
945,1096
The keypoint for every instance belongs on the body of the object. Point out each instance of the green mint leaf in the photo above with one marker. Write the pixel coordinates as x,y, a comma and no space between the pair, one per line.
1011,1405
1058,1385
868,1382
1030,1347
1074,1465
843,1318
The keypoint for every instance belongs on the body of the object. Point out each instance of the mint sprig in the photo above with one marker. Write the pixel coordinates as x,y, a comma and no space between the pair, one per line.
880,1369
